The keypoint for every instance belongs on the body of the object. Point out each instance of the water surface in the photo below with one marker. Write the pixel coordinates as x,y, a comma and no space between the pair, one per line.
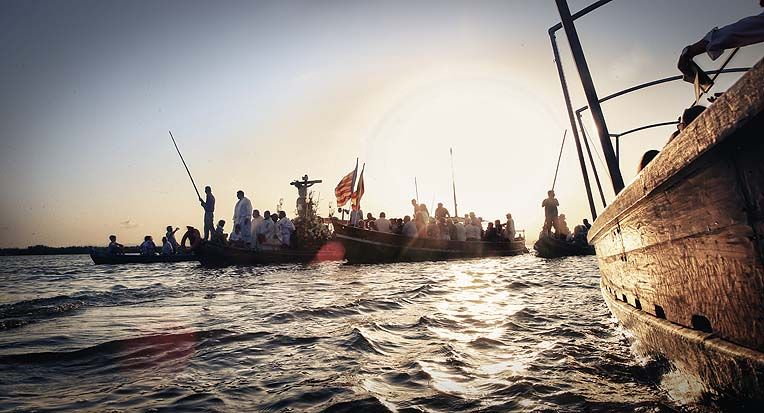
499,334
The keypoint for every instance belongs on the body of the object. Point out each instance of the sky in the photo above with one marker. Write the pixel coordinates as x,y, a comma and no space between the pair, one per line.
259,93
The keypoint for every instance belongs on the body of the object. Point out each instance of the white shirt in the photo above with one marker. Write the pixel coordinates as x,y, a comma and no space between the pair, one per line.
461,232
383,224
744,32
472,231
234,236
409,229
242,210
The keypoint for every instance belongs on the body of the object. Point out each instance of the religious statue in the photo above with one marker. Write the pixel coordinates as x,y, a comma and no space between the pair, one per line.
302,193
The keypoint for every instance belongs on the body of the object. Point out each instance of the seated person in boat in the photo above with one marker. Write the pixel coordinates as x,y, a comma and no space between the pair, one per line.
460,232
382,224
451,229
114,247
562,224
409,228
432,229
509,228
473,230
587,224
441,212
398,228
491,234
579,234
236,239
499,228
219,234
170,235
265,231
689,115
441,230
148,248
167,248
286,229
194,238
370,223
550,205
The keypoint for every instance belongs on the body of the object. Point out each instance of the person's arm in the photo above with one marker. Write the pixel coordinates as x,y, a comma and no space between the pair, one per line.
744,32
176,230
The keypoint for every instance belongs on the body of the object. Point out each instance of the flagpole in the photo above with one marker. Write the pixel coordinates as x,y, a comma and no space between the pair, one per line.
453,181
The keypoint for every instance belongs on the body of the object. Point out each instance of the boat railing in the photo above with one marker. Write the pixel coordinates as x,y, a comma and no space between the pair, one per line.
611,152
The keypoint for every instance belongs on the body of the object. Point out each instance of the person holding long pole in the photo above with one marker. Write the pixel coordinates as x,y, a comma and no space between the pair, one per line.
208,204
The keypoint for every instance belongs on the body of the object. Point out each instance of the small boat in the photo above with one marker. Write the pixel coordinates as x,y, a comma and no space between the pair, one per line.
365,246
216,255
100,258
549,247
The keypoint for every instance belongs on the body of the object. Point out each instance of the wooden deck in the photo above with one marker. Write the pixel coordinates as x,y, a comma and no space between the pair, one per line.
684,242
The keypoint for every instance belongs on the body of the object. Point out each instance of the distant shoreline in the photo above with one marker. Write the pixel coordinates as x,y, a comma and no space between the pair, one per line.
45,250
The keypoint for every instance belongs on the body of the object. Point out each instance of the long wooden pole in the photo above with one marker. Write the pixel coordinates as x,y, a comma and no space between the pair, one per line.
453,181
416,189
184,164
559,158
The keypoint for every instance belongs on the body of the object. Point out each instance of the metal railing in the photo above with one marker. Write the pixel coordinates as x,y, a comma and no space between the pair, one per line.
611,154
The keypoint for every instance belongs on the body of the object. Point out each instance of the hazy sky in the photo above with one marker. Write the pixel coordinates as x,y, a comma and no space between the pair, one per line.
259,93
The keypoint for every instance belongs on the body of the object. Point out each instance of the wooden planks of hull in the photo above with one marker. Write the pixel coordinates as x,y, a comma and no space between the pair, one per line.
683,243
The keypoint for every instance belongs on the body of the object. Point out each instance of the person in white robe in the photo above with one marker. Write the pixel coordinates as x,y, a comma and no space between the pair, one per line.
509,228
285,229
257,219
242,215
461,232
274,235
264,230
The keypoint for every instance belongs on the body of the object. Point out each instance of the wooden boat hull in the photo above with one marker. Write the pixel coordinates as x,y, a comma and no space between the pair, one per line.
547,247
218,255
139,259
364,246
681,249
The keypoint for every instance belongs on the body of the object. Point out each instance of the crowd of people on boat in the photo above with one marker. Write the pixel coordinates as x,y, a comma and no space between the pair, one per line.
440,226
250,230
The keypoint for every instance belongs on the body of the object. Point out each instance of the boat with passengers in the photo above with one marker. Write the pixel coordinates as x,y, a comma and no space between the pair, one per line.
681,248
366,246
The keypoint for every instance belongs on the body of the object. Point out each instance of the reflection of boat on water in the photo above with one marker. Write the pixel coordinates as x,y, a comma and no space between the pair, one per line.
365,246
550,247
212,254
681,248
99,258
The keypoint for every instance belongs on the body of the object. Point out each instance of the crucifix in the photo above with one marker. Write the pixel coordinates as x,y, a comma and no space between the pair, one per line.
302,192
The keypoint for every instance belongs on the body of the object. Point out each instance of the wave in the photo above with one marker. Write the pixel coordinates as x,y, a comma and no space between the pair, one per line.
31,311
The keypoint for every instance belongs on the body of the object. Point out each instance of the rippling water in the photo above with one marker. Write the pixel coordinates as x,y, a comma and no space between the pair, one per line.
513,333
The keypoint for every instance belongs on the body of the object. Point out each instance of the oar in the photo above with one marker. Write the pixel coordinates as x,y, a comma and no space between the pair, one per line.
184,164
558,159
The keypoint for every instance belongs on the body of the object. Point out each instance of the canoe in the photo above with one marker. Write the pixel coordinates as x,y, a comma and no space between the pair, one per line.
365,246
139,259
216,255
548,247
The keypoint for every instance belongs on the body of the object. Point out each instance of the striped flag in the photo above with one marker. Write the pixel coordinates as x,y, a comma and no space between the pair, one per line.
344,189
355,199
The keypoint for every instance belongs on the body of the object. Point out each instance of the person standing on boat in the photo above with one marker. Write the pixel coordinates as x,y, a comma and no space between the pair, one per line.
409,228
114,248
509,228
170,235
472,230
356,217
744,32
242,215
209,209
441,212
257,219
382,224
550,205
285,229
415,204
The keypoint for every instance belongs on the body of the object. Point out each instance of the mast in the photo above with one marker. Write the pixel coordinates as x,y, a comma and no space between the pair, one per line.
591,94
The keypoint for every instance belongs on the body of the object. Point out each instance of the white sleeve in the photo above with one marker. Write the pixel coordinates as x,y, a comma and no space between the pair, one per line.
744,32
